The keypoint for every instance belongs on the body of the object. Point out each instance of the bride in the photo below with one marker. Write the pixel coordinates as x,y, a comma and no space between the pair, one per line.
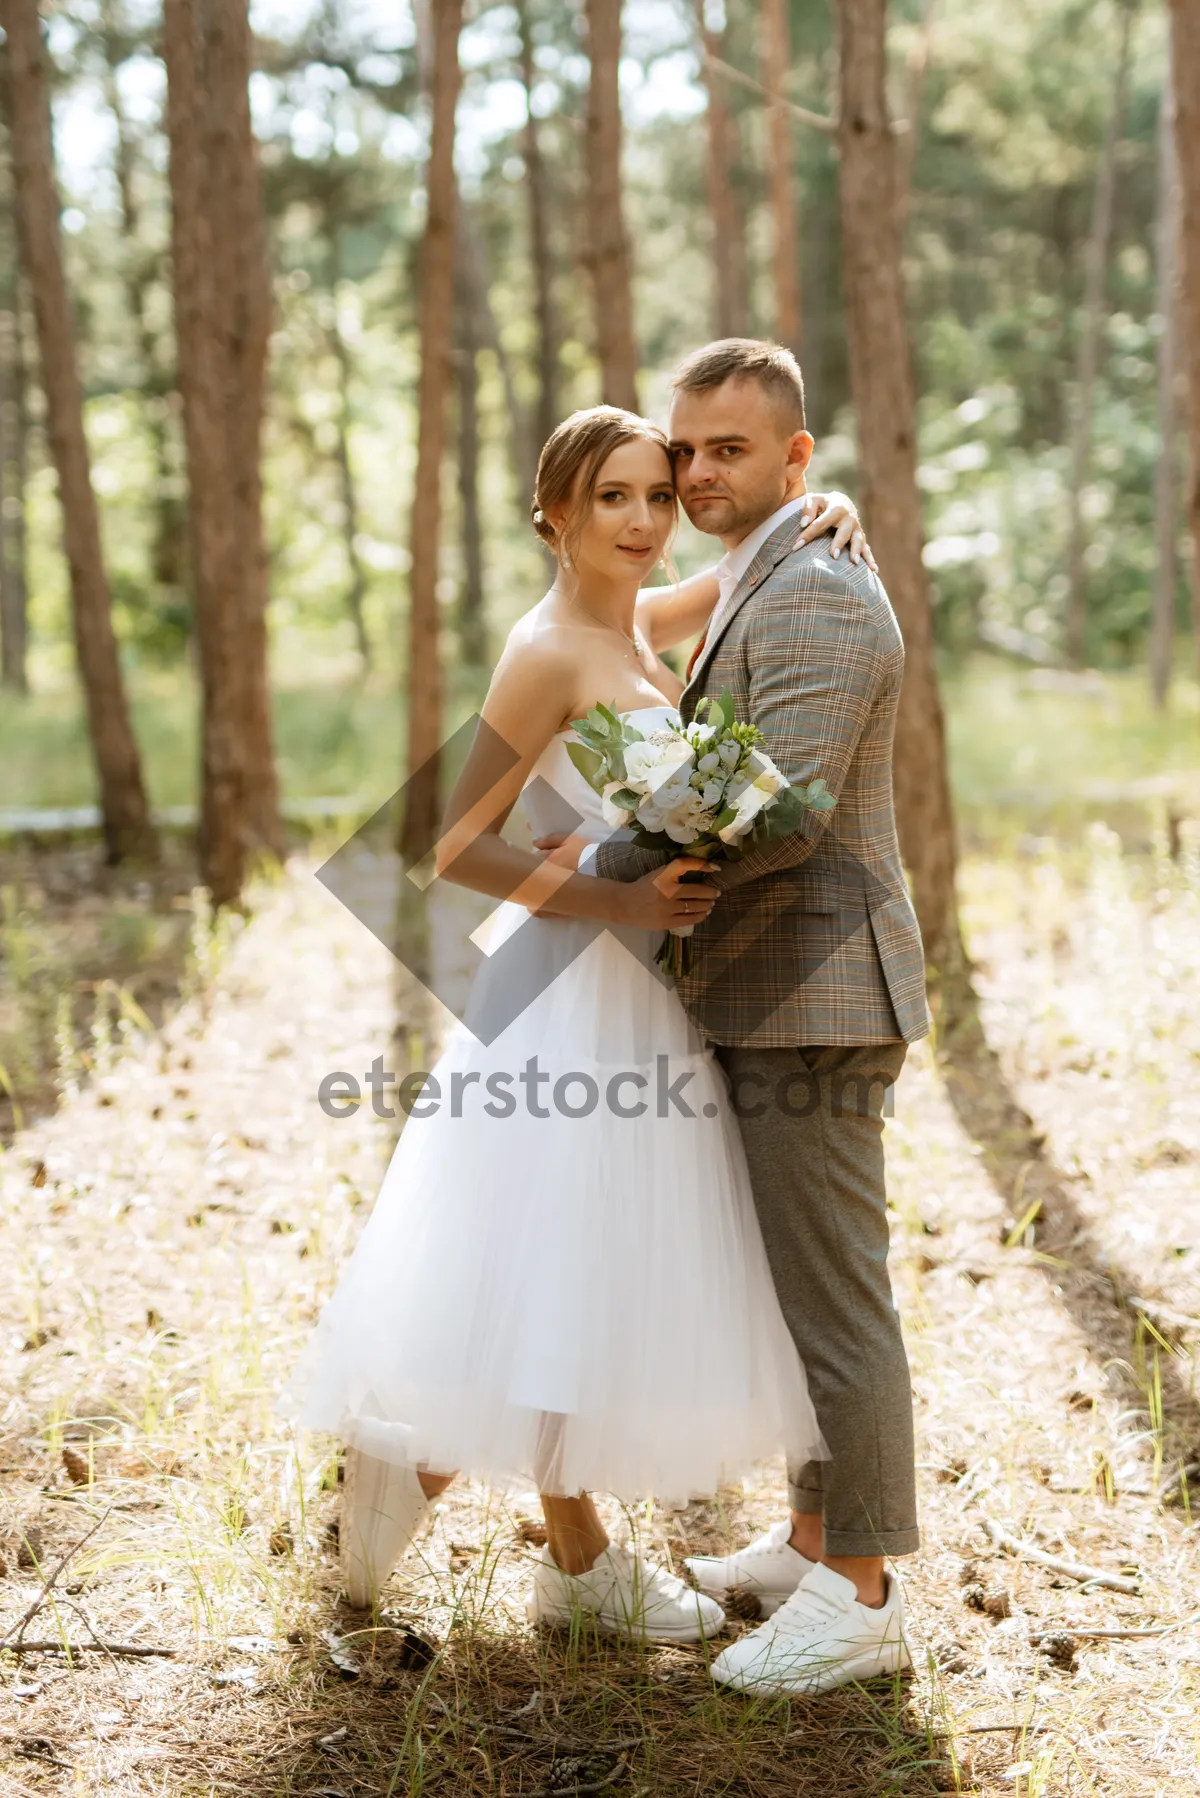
563,1277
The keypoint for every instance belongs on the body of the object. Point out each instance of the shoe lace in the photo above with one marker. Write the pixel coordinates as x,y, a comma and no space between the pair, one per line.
648,1578
806,1609
765,1548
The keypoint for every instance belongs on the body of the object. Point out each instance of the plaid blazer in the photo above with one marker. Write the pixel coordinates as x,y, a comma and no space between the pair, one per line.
814,940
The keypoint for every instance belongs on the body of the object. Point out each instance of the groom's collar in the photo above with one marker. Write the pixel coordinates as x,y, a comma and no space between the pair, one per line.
775,538
736,561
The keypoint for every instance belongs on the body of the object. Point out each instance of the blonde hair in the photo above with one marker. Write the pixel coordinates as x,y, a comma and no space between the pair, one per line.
570,464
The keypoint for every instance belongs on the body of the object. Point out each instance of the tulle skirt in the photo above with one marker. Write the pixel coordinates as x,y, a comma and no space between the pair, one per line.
563,1279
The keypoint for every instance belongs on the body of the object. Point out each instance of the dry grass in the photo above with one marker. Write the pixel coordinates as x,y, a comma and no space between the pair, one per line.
169,1232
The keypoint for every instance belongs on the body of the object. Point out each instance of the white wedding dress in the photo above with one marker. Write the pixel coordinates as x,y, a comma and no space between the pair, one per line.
582,1302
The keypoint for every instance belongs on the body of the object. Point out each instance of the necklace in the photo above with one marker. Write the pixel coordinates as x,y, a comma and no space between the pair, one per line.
637,642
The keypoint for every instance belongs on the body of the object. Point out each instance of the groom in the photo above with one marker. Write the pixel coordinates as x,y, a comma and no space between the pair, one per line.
808,979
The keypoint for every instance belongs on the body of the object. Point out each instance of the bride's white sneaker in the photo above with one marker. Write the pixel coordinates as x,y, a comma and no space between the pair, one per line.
623,1596
768,1569
819,1638
382,1507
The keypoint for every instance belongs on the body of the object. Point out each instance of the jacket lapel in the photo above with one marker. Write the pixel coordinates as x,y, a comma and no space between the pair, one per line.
779,544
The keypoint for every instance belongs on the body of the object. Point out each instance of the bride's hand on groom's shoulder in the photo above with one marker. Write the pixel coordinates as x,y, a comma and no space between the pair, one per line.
836,512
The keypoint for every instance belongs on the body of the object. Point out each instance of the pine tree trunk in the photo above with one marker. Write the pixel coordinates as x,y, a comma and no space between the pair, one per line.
541,255
221,325
609,243
472,632
1099,241
730,294
127,828
169,550
356,575
224,833
1166,474
882,387
776,59
436,328
242,291
14,439
1185,63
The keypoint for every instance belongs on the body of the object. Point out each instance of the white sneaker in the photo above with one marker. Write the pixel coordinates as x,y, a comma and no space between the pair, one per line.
382,1507
768,1569
623,1596
819,1638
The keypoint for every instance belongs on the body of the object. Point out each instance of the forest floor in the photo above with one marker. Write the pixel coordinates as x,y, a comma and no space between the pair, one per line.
170,1227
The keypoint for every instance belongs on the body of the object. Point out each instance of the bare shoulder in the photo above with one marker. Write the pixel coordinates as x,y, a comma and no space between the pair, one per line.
539,646
538,668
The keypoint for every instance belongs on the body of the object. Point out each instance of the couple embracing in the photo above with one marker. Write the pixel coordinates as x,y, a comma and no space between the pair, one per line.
646,1298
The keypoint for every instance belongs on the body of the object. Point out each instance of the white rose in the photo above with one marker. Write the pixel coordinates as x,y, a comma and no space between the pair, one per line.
651,814
749,804
712,793
649,763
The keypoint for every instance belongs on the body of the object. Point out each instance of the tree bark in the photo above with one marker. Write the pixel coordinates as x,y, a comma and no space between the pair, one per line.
882,387
1166,476
14,474
169,554
127,828
1185,63
436,328
608,242
541,254
242,293
221,325
731,306
356,574
776,59
472,632
1099,242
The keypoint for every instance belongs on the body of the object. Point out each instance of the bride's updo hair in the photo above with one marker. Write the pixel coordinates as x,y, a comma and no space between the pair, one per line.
570,464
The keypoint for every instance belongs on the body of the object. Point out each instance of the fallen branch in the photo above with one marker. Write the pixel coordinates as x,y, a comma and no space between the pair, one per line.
1181,1474
1114,1635
18,1629
128,1651
1076,1570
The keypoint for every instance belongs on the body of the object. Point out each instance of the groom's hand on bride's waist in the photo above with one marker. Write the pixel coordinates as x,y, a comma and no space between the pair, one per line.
668,898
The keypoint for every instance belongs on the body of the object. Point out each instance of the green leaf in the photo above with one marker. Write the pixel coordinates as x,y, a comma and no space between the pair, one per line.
724,818
718,717
727,705
817,797
627,799
589,763
597,723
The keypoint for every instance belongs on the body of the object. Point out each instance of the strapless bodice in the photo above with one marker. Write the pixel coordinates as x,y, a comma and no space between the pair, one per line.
556,795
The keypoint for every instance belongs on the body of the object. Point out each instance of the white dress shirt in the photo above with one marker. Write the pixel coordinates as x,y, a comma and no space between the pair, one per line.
735,562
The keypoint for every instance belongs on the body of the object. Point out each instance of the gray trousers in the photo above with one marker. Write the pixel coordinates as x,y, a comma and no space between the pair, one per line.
812,1123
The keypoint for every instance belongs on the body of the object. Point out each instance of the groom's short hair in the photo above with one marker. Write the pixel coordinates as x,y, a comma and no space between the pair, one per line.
747,359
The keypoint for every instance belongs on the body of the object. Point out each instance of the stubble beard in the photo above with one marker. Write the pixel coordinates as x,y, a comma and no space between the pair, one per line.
731,520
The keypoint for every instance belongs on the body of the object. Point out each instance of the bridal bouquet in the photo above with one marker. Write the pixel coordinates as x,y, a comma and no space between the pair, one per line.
705,788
